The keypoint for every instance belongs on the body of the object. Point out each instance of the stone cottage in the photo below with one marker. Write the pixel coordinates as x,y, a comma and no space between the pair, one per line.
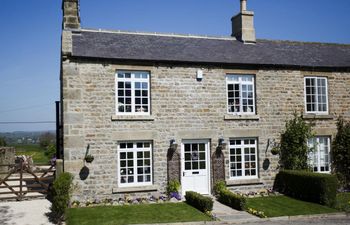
152,107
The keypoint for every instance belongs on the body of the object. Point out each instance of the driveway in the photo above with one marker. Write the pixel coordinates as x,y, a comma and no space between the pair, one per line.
31,212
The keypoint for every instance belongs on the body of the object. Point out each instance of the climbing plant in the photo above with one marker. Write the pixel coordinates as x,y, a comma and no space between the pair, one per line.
341,152
293,149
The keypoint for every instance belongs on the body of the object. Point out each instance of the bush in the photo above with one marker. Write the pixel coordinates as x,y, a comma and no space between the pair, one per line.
204,204
219,186
308,186
232,200
341,153
293,149
61,191
173,186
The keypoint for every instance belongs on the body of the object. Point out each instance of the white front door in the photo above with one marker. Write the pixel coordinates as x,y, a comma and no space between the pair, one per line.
195,166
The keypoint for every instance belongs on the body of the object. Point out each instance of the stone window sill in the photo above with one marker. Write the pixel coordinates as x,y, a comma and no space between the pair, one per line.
241,117
243,182
117,190
132,118
318,116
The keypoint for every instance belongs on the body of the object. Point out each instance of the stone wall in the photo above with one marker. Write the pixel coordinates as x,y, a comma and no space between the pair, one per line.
7,156
181,108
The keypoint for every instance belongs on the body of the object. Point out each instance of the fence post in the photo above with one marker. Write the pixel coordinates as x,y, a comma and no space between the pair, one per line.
20,179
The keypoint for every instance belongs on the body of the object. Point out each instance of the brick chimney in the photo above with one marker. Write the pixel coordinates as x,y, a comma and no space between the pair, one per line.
71,17
243,25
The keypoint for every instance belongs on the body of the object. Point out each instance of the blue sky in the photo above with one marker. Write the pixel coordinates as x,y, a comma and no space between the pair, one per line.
31,29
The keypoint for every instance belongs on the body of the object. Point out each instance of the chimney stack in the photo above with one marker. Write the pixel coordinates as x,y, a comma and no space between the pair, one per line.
243,25
71,17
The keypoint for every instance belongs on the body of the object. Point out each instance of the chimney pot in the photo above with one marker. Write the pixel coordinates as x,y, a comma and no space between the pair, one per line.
243,5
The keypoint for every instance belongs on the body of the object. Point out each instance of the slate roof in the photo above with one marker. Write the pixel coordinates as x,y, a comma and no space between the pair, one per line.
176,48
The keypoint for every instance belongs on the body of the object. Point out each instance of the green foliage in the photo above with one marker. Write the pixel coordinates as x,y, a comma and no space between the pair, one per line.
3,142
173,186
308,186
232,200
219,186
257,213
135,214
204,204
35,151
341,153
46,139
61,192
50,151
343,202
294,150
275,206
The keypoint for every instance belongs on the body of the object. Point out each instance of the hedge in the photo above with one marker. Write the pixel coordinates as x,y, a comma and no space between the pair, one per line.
232,200
307,186
61,190
204,204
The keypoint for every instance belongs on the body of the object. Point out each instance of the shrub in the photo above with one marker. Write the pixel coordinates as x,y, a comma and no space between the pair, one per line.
202,203
219,186
61,191
308,186
293,149
341,153
232,200
173,186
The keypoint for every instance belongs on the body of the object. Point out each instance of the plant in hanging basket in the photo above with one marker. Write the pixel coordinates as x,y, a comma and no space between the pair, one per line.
89,158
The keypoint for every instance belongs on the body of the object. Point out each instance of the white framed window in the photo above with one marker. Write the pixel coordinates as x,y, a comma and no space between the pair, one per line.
134,163
240,94
243,158
132,92
319,158
316,95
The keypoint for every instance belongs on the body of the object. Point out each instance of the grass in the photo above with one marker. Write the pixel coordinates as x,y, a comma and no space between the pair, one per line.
274,206
35,151
135,214
343,202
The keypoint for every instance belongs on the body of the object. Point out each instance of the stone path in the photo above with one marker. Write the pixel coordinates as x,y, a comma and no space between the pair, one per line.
25,213
227,214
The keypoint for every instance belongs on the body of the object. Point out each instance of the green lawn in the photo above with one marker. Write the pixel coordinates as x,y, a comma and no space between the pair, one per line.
37,153
285,206
135,214
343,202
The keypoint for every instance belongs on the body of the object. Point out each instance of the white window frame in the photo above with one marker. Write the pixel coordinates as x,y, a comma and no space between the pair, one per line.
135,149
242,146
317,95
240,82
316,150
132,80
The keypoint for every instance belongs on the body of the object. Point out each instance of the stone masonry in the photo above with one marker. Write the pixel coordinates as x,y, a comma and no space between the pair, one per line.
181,108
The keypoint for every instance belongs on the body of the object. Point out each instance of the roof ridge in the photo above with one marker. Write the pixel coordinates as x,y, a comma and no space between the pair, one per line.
159,34
305,42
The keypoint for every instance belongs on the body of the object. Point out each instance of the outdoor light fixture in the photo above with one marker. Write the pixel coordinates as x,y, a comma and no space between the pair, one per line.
199,75
221,143
173,144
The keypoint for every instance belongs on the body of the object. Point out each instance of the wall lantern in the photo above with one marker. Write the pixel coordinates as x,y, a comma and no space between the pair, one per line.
221,143
173,144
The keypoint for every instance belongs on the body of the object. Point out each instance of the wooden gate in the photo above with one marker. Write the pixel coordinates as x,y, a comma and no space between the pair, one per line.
23,181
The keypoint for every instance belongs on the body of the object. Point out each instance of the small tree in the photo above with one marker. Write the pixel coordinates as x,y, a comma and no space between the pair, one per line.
294,150
46,139
341,152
